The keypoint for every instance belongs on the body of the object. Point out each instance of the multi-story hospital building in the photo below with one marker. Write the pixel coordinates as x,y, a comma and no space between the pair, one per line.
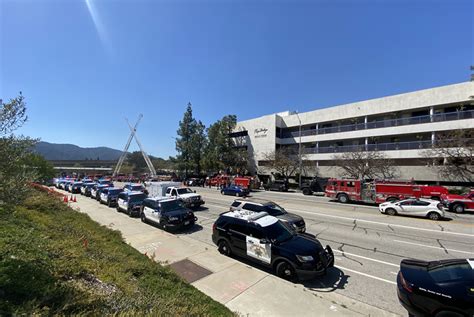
402,126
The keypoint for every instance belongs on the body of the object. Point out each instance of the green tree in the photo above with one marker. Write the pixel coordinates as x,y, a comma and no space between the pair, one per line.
220,152
137,161
43,170
184,141
14,153
198,141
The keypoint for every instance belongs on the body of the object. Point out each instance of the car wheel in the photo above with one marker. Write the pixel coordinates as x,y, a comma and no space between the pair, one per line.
143,217
343,198
222,192
109,203
118,209
306,191
224,248
285,271
390,212
237,194
433,216
458,208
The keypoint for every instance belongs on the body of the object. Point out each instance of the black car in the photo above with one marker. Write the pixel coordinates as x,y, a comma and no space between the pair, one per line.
76,187
109,196
278,185
437,288
169,213
130,202
266,240
273,209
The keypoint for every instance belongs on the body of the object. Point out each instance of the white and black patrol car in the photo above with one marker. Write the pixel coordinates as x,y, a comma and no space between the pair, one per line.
264,239
271,208
130,202
168,212
109,196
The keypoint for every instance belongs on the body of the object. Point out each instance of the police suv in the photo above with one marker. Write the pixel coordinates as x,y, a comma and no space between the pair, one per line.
167,212
264,239
130,202
109,196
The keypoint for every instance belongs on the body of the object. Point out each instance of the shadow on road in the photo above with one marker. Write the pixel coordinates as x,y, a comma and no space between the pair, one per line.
333,280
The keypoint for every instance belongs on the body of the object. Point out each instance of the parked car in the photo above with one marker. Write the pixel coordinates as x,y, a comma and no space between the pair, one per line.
187,195
235,190
271,208
86,189
105,181
316,185
168,212
431,209
130,202
96,190
278,185
459,203
134,187
109,196
75,187
437,288
68,186
262,238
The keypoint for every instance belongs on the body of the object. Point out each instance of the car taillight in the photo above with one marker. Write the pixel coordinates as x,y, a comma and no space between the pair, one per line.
405,284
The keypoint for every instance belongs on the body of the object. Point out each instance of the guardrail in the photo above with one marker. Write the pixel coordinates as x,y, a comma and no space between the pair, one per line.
412,145
438,117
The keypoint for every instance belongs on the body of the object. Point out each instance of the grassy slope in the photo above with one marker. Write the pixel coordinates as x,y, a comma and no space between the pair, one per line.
46,268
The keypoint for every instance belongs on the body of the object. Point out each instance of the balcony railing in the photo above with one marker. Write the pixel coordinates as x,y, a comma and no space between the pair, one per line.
412,145
438,117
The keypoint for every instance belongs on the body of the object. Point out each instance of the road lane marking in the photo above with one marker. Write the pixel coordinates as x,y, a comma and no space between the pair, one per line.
366,258
429,246
367,275
381,223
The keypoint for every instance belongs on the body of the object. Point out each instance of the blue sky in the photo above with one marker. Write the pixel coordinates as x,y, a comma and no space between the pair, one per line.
83,71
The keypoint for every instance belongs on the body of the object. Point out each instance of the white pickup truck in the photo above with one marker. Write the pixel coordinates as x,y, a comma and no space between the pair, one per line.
174,189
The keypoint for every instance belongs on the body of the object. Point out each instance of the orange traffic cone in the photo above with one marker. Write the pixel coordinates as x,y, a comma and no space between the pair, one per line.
74,199
70,198
65,199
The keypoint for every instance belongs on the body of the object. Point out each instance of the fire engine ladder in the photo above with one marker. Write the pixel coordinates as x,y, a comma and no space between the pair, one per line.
145,156
127,145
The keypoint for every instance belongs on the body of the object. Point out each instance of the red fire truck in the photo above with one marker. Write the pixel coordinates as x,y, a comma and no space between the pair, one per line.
379,191
247,182
218,180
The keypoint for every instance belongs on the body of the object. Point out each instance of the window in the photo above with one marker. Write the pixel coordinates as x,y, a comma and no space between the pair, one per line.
239,228
235,203
458,271
250,207
173,193
350,184
255,232
168,191
420,203
406,203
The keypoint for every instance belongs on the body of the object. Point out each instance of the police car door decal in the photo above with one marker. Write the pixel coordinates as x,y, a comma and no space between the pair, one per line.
258,250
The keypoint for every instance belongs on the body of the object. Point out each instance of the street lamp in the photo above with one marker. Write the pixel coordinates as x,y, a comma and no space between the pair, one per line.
299,149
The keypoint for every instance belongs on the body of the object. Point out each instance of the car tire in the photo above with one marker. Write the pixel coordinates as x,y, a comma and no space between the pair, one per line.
237,194
390,212
458,208
307,191
434,216
343,198
143,217
224,248
118,209
285,271
109,203
222,192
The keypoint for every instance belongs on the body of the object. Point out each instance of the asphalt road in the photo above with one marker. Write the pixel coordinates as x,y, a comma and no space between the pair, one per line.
368,245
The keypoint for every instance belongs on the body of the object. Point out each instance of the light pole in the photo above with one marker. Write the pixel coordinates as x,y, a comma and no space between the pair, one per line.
299,150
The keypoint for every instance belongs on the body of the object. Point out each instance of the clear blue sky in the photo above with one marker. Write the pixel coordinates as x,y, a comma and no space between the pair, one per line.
84,70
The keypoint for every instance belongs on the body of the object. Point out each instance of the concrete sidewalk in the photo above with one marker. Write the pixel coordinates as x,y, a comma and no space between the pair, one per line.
243,288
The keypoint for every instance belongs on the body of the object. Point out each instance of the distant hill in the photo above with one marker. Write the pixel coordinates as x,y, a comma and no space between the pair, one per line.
52,151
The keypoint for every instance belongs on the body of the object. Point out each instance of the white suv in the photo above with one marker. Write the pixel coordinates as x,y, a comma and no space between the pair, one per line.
431,209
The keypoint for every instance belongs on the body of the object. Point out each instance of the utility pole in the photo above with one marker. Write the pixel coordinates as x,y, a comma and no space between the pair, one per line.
299,150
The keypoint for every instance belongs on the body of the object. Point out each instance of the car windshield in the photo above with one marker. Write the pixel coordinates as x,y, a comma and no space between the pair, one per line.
138,197
182,191
278,232
136,188
275,210
167,206
114,191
